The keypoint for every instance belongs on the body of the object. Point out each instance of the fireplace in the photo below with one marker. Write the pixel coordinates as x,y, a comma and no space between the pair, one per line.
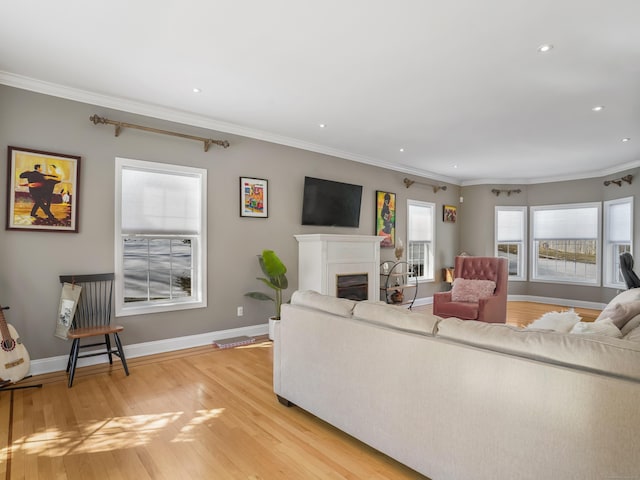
354,286
324,258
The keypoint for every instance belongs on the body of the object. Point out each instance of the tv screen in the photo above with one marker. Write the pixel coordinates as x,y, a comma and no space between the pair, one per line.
331,203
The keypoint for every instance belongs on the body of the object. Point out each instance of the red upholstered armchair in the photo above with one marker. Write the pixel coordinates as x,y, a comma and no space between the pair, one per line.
491,309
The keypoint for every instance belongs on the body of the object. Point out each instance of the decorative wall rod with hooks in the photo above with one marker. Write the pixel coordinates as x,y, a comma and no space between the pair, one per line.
618,181
120,125
497,192
408,183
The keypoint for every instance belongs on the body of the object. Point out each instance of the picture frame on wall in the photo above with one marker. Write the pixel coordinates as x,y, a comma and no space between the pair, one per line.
254,197
449,213
42,190
386,218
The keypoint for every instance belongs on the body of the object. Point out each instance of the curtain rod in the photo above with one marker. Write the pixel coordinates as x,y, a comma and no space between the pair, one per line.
408,182
119,125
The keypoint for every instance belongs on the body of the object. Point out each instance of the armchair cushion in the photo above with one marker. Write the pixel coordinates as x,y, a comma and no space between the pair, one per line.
464,290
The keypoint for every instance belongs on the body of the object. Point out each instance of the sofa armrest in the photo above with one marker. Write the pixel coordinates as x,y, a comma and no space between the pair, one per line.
492,309
441,297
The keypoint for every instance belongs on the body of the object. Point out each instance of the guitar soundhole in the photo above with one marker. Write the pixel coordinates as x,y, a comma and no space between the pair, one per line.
8,345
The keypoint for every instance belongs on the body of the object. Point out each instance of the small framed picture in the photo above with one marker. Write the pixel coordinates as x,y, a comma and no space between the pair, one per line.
449,213
254,196
42,190
386,218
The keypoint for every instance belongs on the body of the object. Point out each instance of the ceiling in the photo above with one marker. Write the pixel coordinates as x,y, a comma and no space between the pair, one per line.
460,86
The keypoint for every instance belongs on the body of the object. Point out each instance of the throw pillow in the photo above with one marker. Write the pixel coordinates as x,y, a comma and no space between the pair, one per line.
622,298
465,290
603,327
556,321
620,313
633,335
631,325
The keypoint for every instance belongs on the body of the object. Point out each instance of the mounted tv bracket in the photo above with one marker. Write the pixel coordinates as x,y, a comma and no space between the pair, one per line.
120,125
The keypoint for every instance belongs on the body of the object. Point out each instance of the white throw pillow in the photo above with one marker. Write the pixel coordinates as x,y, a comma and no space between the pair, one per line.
556,321
631,325
603,327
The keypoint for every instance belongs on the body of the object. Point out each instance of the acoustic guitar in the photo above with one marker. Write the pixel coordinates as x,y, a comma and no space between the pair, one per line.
14,358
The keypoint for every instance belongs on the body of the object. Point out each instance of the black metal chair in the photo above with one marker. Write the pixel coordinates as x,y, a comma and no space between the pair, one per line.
626,268
93,319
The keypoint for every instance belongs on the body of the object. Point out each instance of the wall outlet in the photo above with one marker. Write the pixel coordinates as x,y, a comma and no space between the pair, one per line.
240,311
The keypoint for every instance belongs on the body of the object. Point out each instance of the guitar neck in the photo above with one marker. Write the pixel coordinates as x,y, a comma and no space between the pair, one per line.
4,329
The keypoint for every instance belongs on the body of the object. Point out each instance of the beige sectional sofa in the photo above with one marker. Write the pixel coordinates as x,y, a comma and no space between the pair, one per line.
457,399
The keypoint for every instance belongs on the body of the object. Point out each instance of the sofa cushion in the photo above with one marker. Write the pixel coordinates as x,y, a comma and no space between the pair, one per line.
465,290
396,317
556,321
313,299
604,327
620,313
590,352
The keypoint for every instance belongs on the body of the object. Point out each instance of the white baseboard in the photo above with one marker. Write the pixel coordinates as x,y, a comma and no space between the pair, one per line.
56,364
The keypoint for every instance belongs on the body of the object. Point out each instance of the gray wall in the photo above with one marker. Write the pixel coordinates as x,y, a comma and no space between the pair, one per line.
477,224
32,261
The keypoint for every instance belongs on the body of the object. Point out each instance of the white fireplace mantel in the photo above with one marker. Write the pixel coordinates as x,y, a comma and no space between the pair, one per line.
322,257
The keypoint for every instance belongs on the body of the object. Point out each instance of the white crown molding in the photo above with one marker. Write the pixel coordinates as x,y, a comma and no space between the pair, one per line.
185,118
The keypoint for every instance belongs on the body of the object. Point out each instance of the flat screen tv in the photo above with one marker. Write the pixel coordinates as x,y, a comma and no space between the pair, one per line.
331,203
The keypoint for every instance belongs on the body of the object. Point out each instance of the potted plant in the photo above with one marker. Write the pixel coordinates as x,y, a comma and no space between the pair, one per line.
276,279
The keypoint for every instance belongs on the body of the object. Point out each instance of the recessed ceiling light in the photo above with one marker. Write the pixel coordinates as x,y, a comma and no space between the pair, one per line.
598,108
322,125
626,139
196,90
402,149
455,166
544,48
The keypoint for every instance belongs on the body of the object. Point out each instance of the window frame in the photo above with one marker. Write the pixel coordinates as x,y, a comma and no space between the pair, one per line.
198,297
522,254
533,266
430,256
611,260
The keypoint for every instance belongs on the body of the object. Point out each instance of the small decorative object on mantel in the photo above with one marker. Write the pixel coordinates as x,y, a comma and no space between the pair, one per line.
618,181
42,191
399,250
254,197
386,218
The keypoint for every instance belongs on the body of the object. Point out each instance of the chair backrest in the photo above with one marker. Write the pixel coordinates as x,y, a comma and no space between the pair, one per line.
484,268
94,305
626,268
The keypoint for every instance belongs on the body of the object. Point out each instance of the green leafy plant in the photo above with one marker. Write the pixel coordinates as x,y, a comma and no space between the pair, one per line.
276,279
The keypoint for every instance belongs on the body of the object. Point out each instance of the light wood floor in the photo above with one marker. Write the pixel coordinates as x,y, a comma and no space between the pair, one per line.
195,414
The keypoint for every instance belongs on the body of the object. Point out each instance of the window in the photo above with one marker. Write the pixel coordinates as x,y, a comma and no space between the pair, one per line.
160,239
420,234
618,238
565,243
510,234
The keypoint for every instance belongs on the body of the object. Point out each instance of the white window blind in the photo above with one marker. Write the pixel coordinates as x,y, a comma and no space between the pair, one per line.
420,223
564,223
619,222
160,202
510,225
